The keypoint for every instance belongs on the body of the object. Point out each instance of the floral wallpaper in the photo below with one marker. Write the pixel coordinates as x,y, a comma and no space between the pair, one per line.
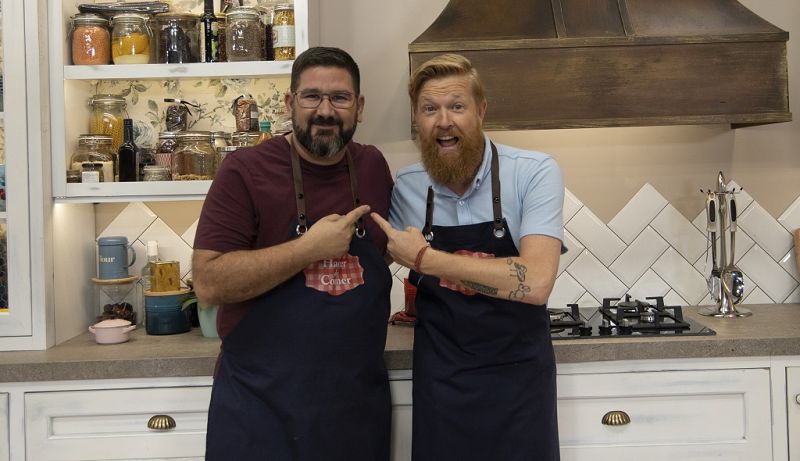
146,106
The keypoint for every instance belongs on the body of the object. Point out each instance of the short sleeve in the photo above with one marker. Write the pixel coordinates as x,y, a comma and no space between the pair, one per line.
542,199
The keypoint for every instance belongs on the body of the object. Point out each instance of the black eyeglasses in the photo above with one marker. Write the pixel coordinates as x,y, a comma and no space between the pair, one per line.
312,99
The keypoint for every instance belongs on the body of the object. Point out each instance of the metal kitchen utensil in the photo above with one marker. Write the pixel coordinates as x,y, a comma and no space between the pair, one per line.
737,277
713,278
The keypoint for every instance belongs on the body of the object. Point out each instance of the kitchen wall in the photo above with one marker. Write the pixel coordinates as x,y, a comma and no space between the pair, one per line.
634,213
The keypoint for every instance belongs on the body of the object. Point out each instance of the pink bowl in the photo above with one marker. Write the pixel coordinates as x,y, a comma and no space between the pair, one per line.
113,331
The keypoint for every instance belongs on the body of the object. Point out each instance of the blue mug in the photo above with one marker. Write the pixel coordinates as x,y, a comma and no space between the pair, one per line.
112,257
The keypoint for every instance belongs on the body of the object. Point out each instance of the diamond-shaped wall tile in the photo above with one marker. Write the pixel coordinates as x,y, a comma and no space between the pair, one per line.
794,297
587,300
170,246
681,276
674,299
789,264
595,236
767,232
639,256
566,290
131,222
188,234
757,296
574,249
790,219
571,205
637,214
595,277
650,284
767,274
680,233
700,222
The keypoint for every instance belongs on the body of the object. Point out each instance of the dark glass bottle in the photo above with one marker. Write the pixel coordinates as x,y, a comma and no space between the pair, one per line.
210,33
127,154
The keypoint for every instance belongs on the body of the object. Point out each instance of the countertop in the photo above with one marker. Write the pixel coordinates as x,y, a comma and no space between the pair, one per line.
772,330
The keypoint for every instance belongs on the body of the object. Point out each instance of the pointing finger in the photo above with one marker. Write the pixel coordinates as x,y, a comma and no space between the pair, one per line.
382,223
356,213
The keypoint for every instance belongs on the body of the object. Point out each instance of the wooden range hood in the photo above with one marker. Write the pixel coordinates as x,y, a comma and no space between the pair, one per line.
591,63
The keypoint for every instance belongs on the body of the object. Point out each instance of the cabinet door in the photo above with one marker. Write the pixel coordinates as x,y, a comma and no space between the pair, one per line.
5,440
401,420
15,271
793,411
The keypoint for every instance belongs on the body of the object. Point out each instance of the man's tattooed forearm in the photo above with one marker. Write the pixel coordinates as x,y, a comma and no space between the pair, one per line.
480,288
519,293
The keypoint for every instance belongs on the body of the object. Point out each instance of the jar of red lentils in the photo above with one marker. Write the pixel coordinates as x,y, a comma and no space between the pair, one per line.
90,39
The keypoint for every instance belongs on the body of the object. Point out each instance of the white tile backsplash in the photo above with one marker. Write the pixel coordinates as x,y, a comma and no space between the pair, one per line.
647,249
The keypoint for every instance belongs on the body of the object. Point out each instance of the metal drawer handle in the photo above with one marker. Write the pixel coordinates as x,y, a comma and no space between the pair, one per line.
161,423
616,418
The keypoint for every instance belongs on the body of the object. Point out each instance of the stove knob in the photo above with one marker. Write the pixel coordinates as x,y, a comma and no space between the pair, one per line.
584,331
625,329
605,330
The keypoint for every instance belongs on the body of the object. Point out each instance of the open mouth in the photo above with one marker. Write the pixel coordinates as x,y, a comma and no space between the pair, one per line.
447,141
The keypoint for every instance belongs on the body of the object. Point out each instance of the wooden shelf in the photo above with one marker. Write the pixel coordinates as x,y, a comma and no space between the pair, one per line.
178,71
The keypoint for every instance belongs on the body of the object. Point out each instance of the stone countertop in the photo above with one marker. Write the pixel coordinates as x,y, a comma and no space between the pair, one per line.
773,330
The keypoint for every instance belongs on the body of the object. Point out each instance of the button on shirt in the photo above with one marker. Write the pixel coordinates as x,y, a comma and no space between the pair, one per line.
532,195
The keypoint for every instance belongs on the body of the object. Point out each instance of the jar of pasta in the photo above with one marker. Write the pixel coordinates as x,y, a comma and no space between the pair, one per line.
130,39
95,150
195,157
283,32
90,39
244,35
108,110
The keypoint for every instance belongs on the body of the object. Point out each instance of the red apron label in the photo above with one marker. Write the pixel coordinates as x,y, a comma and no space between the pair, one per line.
335,276
444,283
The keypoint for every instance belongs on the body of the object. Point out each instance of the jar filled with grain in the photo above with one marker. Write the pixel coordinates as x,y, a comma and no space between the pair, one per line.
283,32
90,39
195,157
130,39
178,38
95,149
244,35
108,110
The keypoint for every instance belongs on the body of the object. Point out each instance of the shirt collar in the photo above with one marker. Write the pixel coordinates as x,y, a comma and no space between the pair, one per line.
483,173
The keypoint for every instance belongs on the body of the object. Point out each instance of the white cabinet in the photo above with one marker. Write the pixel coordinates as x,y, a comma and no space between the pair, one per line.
100,424
24,318
686,415
70,115
5,439
793,411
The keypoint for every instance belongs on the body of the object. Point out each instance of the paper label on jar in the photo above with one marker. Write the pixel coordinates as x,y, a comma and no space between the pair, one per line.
90,176
335,276
108,170
282,36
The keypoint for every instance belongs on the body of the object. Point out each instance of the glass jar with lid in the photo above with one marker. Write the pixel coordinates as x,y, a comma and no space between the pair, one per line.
178,37
90,40
245,138
130,39
95,149
156,173
244,35
108,110
220,139
283,32
167,143
195,157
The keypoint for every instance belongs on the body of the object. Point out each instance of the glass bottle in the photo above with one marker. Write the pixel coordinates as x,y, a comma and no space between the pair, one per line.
130,39
95,148
147,269
243,35
265,131
209,36
90,39
127,155
106,118
283,32
178,38
195,157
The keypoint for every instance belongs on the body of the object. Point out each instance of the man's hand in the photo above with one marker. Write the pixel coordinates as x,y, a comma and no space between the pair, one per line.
403,246
330,236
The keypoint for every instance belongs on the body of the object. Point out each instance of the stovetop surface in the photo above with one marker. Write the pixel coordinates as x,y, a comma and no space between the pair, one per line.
618,318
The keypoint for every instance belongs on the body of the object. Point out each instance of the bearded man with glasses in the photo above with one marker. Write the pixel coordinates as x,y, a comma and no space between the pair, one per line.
283,248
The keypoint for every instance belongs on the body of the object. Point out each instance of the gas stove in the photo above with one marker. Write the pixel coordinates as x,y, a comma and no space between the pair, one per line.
628,318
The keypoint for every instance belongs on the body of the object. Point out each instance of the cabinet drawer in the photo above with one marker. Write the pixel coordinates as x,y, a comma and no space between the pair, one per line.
720,414
112,424
5,440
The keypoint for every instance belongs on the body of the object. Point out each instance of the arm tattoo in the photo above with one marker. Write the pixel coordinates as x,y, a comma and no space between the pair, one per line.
519,271
484,289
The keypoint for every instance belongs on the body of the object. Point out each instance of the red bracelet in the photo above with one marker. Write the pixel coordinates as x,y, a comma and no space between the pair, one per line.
418,261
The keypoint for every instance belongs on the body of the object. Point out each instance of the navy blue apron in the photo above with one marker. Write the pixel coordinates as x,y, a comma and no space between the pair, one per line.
302,376
484,368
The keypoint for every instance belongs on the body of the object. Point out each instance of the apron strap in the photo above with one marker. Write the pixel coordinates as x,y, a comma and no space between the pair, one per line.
427,231
300,197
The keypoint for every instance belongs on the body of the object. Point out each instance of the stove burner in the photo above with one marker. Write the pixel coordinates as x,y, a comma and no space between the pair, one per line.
628,317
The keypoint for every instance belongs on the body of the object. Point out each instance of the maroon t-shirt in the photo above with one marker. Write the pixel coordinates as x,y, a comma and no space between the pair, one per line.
251,203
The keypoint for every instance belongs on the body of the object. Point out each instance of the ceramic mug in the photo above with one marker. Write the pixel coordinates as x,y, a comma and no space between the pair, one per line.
112,257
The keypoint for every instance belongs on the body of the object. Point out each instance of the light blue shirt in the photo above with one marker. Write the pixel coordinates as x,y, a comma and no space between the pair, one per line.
532,195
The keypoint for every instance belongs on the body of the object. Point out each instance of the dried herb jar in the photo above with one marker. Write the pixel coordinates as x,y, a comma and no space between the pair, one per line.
195,157
90,40
244,35
178,37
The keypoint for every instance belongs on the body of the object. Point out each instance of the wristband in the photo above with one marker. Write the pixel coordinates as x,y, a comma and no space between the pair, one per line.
418,261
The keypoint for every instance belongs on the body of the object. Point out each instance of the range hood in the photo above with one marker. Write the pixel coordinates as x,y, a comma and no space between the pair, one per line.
590,63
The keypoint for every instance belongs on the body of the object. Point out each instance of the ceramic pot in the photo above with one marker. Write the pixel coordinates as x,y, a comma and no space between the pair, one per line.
112,331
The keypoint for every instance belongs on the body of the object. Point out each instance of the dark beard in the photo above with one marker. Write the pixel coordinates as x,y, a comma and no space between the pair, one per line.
324,146
452,171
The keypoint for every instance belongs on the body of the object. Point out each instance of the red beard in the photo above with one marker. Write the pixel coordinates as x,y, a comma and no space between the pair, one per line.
458,170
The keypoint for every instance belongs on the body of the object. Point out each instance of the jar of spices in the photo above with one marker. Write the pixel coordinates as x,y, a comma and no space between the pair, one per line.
106,118
95,149
156,173
92,172
130,39
178,37
90,39
243,35
73,176
283,32
166,148
245,138
195,157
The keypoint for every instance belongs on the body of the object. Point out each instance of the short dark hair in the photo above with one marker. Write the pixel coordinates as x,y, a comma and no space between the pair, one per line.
324,56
